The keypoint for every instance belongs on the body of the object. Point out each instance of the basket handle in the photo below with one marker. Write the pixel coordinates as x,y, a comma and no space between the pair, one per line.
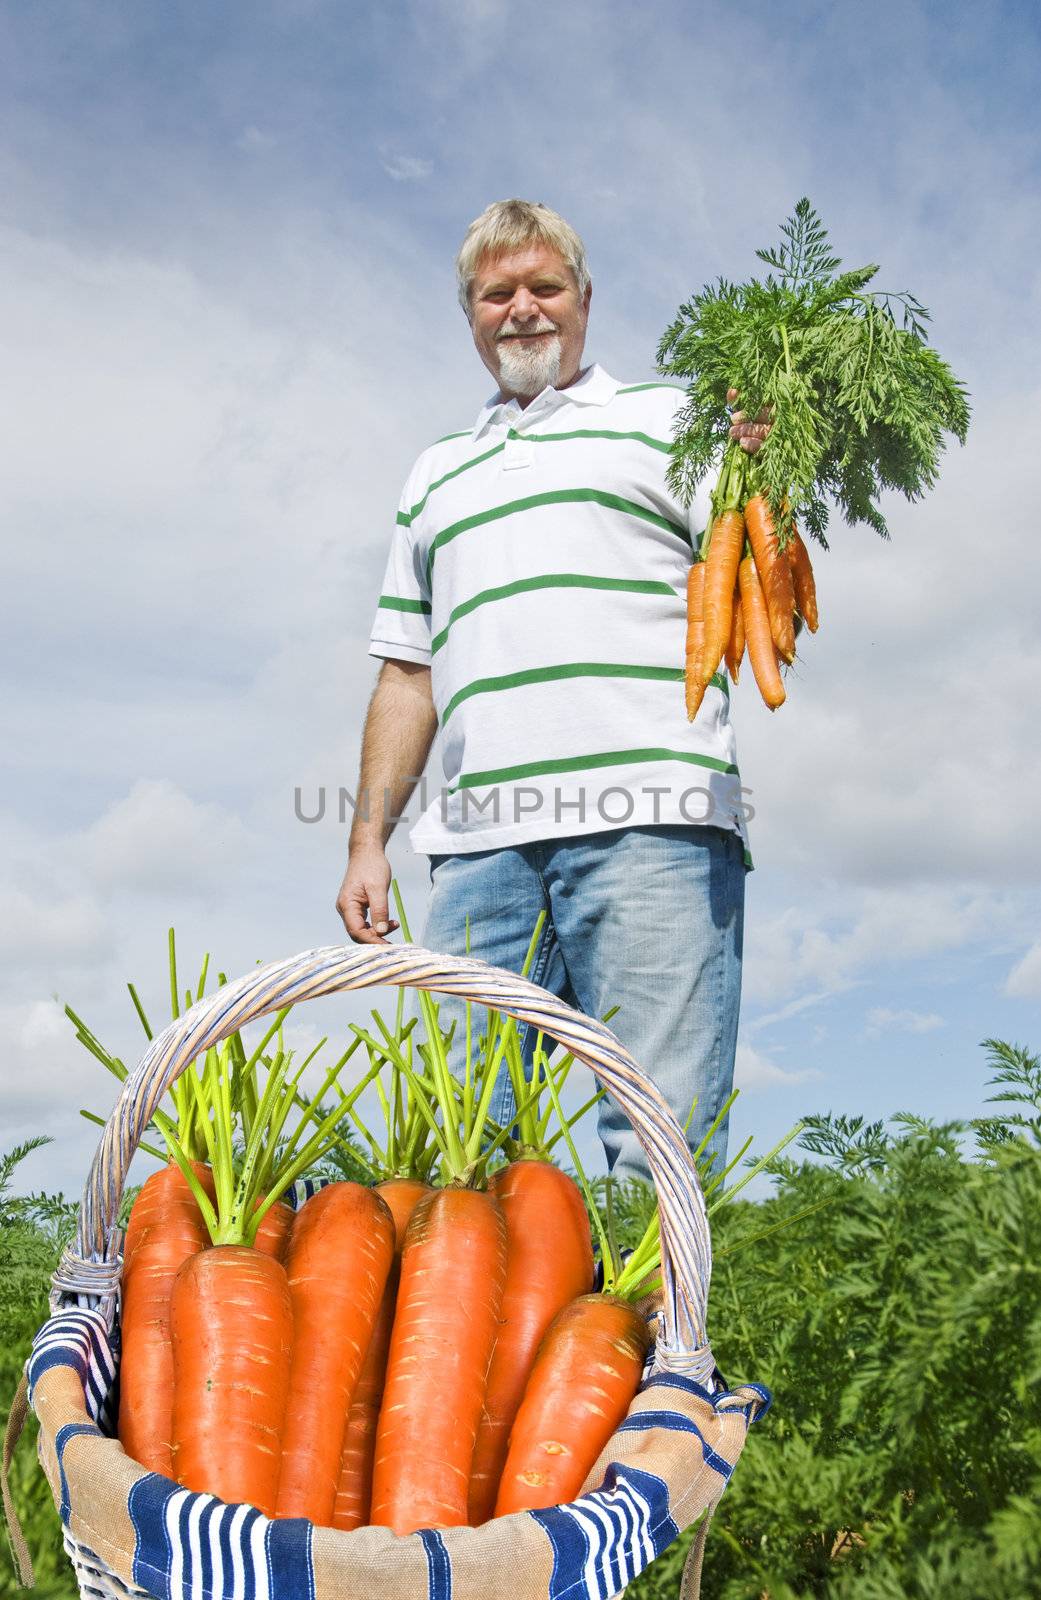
92,1265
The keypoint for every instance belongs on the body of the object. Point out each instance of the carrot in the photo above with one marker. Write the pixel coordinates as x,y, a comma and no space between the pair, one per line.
453,1269
147,1207
231,1314
164,1229
354,1489
775,575
802,579
231,1319
694,689
724,552
585,1376
761,649
340,1251
275,1227
736,643
549,1260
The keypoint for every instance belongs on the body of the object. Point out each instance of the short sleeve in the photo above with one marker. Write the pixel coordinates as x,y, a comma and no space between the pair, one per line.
401,629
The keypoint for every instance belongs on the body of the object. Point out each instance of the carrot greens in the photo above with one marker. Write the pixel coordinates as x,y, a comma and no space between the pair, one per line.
860,402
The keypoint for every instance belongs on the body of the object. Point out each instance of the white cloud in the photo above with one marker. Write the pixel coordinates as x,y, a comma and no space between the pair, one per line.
832,941
1024,980
881,1017
157,840
755,1070
406,169
52,926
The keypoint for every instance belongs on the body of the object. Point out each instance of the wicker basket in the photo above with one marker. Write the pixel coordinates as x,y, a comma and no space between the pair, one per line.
129,1532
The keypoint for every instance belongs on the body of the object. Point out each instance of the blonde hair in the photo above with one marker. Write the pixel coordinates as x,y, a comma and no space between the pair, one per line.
509,225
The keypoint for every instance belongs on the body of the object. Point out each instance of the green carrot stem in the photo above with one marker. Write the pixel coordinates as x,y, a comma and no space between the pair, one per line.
172,953
723,1110
419,1094
577,1117
90,1043
200,987
756,1168
713,1183
776,1227
139,1008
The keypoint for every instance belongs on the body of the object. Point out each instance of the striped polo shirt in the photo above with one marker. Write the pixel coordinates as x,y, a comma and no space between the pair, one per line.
539,565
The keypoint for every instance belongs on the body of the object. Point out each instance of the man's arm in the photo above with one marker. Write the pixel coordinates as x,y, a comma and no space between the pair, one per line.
399,729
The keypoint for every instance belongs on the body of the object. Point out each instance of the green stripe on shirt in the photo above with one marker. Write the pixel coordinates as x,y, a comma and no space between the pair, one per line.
475,461
549,580
600,497
595,433
567,669
602,758
395,602
533,438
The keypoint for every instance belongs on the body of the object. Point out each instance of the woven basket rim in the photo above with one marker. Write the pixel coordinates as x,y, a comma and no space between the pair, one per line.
90,1269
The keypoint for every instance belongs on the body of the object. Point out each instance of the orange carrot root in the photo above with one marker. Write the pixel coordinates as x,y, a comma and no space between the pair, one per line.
165,1228
736,643
273,1234
340,1253
775,576
585,1376
453,1269
354,1489
231,1321
762,652
541,1204
803,581
724,553
694,689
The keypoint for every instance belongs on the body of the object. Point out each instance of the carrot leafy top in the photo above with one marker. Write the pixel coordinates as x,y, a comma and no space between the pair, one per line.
860,402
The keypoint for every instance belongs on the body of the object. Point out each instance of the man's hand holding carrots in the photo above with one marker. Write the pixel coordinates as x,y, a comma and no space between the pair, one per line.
749,435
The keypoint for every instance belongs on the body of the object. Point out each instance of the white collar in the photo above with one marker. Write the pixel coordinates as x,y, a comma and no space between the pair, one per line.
594,388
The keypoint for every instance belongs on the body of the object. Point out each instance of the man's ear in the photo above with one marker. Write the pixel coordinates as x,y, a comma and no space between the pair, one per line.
587,297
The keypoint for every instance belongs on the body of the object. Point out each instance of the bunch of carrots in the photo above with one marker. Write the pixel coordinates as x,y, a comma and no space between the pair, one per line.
860,405
404,1351
744,593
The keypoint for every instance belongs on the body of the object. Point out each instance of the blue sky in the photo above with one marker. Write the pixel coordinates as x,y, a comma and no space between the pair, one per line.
229,325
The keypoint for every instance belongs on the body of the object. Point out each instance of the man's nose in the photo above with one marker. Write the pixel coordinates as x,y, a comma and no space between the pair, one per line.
523,306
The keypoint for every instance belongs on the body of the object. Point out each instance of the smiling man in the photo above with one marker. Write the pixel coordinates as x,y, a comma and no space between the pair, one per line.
533,611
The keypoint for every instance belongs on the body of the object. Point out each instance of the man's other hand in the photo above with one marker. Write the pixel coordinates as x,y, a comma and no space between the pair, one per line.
749,435
364,891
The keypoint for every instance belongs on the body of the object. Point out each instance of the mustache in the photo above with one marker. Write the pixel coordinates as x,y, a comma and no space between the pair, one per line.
509,330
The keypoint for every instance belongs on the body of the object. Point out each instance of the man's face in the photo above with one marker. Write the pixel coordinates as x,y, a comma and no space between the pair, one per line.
528,319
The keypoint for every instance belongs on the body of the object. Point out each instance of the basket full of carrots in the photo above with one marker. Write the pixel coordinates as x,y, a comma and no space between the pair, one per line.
282,1382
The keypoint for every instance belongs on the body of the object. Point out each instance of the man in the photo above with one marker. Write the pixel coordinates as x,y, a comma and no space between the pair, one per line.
534,610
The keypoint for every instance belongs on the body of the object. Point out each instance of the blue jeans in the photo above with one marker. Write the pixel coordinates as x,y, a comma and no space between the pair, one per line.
649,919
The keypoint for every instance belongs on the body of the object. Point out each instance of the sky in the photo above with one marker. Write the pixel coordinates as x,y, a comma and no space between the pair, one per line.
229,326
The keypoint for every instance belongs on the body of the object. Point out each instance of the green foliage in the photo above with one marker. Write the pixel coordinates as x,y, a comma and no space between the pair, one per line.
900,1332
33,1230
860,402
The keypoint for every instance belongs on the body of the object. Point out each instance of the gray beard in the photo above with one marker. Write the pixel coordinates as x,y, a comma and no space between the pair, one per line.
530,371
